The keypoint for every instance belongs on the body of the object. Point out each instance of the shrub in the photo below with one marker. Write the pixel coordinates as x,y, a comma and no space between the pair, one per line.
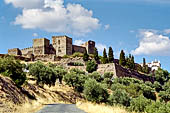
75,80
139,104
95,92
77,71
164,95
157,86
12,68
119,97
148,92
91,66
161,76
95,75
158,107
108,75
77,54
85,56
43,74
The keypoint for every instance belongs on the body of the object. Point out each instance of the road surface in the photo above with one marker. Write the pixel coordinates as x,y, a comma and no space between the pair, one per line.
60,108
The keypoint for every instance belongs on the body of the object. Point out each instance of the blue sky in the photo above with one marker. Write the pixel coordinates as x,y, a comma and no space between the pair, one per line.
140,27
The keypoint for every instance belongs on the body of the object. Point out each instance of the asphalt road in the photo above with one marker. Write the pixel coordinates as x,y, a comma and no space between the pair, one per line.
61,108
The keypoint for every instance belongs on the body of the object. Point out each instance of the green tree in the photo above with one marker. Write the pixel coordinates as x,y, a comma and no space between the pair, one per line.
91,66
85,56
96,56
95,92
119,97
110,54
122,60
43,74
13,68
139,104
144,62
95,75
104,59
75,80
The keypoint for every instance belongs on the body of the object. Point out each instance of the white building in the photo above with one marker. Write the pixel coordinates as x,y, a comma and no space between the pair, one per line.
154,65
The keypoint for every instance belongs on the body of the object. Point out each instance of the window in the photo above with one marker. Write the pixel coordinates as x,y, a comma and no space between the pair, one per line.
58,41
59,50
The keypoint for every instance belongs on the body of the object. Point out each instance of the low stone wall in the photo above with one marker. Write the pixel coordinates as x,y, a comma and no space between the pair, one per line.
102,68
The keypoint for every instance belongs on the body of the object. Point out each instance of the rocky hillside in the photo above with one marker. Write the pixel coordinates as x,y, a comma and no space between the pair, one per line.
31,97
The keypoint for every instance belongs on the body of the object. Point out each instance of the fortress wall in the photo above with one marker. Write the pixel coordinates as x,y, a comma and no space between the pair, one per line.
123,72
78,49
27,51
102,68
45,58
14,51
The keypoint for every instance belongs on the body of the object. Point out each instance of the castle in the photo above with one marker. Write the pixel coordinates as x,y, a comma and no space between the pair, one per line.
61,45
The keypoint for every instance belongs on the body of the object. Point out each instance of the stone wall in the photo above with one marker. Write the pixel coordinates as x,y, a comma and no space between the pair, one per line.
102,68
27,51
45,58
78,49
123,72
15,51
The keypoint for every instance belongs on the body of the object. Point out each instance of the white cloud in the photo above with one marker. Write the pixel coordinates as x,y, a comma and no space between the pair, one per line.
152,43
106,27
25,3
54,16
34,34
79,42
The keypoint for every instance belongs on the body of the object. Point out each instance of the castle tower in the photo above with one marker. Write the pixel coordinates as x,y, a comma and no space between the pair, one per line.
90,47
41,46
62,45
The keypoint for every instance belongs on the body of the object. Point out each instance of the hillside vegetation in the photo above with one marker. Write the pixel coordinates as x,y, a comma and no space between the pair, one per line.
129,94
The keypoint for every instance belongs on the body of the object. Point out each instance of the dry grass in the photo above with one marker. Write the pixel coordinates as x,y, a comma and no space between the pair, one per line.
100,108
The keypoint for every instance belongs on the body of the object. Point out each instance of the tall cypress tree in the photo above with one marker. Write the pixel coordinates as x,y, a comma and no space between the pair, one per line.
144,62
122,60
96,56
110,54
133,62
104,59
85,56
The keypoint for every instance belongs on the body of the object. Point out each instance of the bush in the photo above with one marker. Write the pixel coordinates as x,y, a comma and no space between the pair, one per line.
157,86
161,76
75,80
95,92
95,75
85,56
158,107
164,95
91,66
77,54
108,75
12,68
43,74
77,71
139,104
119,97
